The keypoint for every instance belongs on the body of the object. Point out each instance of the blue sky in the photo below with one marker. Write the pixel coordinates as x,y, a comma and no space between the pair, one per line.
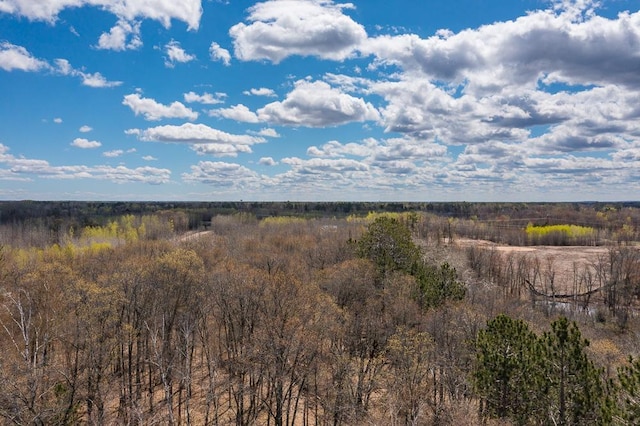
472,100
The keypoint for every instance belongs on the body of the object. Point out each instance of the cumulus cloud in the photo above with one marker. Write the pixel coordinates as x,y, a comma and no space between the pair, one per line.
205,98
263,91
85,143
194,133
20,168
238,112
85,129
219,54
324,166
96,79
188,11
153,111
224,175
278,29
203,139
317,104
122,174
124,35
374,151
569,45
113,153
420,108
57,120
597,119
495,82
268,132
267,161
175,53
14,57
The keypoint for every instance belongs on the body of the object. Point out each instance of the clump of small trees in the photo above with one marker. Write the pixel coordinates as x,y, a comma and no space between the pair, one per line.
389,245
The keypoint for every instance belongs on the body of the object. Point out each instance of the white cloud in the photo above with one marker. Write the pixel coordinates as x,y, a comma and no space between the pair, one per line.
27,169
544,46
64,67
220,149
124,35
122,174
194,133
85,129
278,29
149,158
205,98
263,91
153,111
223,175
373,151
96,80
319,175
219,54
238,112
418,107
113,154
188,11
14,57
57,120
316,104
203,139
268,132
129,12
85,143
175,53
267,161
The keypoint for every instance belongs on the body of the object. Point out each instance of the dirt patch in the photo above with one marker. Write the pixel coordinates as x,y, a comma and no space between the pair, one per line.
191,235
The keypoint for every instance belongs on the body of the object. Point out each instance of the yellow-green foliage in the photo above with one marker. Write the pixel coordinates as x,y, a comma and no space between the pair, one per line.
372,216
570,231
23,257
281,220
98,247
125,229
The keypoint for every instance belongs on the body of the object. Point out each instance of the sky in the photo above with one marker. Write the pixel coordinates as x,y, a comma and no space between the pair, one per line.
320,100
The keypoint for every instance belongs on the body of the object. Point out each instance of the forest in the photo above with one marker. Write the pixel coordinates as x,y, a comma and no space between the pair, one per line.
319,313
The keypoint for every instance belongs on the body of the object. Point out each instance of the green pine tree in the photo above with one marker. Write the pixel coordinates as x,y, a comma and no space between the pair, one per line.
626,407
507,369
388,244
438,284
576,391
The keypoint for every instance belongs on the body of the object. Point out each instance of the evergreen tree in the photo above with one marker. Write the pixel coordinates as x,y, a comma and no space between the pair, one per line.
438,284
627,409
506,374
575,386
388,244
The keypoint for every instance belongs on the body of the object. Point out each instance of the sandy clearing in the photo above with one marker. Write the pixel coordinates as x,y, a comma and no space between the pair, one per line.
565,263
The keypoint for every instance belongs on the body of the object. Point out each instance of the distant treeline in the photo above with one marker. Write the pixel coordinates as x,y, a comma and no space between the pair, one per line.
92,213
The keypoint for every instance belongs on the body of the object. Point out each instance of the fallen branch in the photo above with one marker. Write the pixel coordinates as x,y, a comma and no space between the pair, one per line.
564,295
